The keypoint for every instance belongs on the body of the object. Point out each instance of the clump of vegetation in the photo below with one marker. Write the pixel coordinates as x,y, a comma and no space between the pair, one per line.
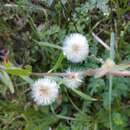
64,65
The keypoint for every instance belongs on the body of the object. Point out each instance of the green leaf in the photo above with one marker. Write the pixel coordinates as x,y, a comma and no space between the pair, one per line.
50,2
58,63
47,44
18,71
8,65
84,96
27,79
63,2
7,81
119,119
28,67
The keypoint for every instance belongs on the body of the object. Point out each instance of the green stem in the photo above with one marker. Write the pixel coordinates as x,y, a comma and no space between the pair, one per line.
112,56
95,126
61,116
110,99
74,105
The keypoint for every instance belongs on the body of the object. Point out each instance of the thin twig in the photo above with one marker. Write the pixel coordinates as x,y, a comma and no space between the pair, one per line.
101,41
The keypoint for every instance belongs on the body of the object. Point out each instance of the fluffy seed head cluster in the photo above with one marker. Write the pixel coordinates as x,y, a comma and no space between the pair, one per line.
73,80
75,47
45,91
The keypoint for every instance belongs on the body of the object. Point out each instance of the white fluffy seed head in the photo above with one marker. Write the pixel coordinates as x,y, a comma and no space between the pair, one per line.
45,91
75,47
73,80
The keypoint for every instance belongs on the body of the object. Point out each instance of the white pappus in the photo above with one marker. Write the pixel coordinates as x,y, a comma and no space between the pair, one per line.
75,47
73,79
45,91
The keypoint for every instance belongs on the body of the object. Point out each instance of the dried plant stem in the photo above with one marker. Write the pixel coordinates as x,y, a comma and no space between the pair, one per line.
120,73
101,41
89,72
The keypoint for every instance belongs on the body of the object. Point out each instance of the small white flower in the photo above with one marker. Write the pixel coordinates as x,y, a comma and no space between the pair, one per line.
73,79
75,47
45,91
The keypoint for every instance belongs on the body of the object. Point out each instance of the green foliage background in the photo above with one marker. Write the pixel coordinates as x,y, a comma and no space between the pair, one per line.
30,30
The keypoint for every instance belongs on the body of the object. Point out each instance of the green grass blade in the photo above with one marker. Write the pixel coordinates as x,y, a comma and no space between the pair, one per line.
84,96
48,44
5,78
27,79
58,63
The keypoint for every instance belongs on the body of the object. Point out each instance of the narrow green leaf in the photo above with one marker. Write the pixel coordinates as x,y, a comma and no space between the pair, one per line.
18,71
28,67
47,44
27,79
50,2
33,27
7,81
63,2
58,63
84,96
